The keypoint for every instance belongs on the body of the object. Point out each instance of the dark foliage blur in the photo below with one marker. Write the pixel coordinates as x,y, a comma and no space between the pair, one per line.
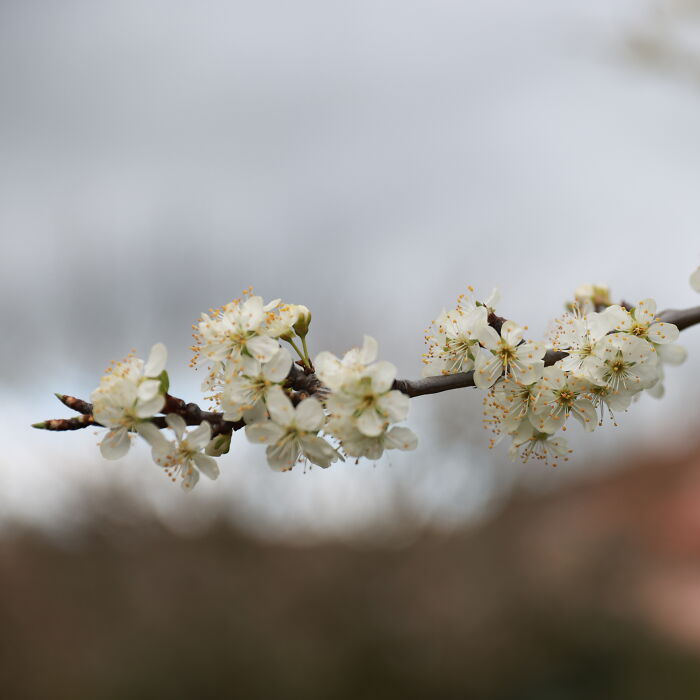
591,592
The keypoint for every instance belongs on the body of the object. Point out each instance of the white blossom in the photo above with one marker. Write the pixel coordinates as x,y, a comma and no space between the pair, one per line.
291,432
592,295
183,456
369,401
671,354
129,393
279,323
506,405
452,348
505,354
357,444
362,403
603,396
625,362
528,442
559,395
335,373
642,323
578,336
242,392
236,330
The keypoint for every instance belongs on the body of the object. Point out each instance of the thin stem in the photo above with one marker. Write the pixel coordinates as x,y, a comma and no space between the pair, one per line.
299,352
306,352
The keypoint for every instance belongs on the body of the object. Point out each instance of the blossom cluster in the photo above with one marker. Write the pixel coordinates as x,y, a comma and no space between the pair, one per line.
353,413
597,359
602,356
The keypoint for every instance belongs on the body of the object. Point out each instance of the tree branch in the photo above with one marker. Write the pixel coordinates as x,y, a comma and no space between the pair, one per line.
683,318
305,383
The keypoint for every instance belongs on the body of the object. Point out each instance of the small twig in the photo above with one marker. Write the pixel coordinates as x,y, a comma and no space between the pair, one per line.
682,318
76,404
76,423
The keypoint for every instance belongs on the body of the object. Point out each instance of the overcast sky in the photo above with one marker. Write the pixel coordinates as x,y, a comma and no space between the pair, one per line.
367,159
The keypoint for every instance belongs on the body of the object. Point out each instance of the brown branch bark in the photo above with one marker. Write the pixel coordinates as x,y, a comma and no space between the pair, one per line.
306,384
683,318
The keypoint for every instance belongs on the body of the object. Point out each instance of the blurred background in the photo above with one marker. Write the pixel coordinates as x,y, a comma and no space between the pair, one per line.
369,160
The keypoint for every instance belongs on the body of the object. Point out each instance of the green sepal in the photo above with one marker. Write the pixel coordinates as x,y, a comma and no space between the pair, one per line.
220,445
164,382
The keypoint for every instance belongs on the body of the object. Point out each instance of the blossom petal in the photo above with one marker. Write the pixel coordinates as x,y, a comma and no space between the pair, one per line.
265,432
282,456
279,406
249,366
115,444
278,367
318,450
255,414
401,438
207,465
383,374
190,479
584,411
528,371
645,311
251,314
309,415
493,298
370,423
271,304
198,438
657,390
512,333
618,401
368,352
156,361
176,424
262,347
672,354
695,280
662,333
619,316
488,337
151,434
148,389
394,404
148,409
645,374
329,370
600,324
487,369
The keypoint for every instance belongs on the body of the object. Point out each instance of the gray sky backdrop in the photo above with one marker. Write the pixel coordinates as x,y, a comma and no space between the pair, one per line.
368,159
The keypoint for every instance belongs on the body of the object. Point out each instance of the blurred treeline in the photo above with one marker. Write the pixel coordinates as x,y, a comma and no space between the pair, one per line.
591,592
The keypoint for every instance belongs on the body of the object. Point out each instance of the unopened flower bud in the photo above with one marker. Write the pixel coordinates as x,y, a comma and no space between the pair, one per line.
220,445
596,294
301,326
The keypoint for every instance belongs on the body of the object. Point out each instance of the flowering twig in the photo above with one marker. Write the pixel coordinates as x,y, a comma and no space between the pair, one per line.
310,384
601,355
682,318
190,412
